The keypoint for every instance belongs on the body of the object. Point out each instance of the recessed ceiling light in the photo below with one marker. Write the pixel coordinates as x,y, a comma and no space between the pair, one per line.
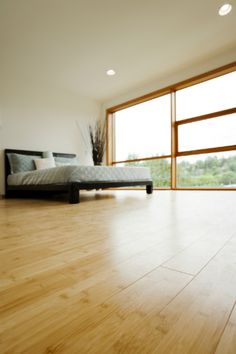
111,72
225,9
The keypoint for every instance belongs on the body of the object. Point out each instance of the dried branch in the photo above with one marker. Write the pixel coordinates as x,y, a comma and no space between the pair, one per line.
98,141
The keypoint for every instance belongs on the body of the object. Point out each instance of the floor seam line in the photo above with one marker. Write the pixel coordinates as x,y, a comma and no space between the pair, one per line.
226,323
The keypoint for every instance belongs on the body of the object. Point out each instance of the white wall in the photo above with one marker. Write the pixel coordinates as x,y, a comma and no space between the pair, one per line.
36,117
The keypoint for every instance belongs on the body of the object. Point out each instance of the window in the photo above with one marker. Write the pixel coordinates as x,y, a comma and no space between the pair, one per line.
186,135
143,133
209,96
208,133
207,170
213,131
160,170
143,130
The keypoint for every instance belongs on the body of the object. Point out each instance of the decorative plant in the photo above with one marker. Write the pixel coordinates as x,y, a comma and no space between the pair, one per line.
98,141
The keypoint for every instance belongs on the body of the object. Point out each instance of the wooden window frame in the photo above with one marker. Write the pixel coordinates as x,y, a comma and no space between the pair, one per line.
110,154
203,118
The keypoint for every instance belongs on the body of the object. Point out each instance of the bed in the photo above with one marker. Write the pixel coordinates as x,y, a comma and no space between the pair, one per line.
70,179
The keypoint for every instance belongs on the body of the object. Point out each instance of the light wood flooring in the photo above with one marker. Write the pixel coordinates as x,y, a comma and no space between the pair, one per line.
121,272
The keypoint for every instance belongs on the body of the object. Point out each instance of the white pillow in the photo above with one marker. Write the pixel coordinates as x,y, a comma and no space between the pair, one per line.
42,164
59,164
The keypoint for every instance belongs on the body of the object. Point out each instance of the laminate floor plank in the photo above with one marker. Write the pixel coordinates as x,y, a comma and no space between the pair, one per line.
133,303
227,343
121,272
187,321
194,258
195,320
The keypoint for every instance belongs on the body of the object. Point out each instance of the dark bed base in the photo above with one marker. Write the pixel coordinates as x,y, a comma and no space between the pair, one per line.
72,188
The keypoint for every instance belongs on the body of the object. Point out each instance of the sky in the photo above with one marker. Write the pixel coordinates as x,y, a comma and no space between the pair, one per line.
144,129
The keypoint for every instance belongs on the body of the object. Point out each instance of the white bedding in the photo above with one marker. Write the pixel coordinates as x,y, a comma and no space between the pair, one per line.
65,174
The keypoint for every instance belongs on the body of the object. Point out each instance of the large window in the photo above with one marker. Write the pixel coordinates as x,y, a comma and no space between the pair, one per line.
143,130
187,136
208,133
160,170
207,170
209,96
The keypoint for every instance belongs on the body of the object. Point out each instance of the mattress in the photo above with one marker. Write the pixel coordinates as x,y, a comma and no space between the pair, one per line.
66,174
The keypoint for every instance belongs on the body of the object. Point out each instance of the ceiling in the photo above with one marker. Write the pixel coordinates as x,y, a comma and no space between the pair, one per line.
71,43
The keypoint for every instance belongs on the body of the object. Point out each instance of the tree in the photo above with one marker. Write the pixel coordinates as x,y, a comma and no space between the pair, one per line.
211,172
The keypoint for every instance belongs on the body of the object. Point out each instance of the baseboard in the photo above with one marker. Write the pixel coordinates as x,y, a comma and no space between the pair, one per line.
2,196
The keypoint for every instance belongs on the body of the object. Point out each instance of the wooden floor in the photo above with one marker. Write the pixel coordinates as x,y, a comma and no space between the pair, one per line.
121,272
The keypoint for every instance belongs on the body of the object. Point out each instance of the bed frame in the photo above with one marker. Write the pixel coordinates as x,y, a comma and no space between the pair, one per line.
72,188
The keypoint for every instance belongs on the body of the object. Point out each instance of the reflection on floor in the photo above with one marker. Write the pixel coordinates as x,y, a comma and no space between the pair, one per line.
121,272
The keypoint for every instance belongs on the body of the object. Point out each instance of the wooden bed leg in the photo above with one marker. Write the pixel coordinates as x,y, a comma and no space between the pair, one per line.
74,197
149,188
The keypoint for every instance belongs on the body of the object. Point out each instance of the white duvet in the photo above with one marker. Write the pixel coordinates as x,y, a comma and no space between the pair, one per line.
64,174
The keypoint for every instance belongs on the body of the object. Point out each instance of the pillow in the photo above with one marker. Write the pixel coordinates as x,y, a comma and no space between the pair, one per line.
21,163
66,161
58,164
47,154
42,164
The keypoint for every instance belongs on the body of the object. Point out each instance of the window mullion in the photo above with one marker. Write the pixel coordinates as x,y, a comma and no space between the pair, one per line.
174,138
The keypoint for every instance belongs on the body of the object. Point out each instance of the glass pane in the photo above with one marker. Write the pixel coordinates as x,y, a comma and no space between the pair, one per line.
208,170
143,130
209,96
208,133
160,171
